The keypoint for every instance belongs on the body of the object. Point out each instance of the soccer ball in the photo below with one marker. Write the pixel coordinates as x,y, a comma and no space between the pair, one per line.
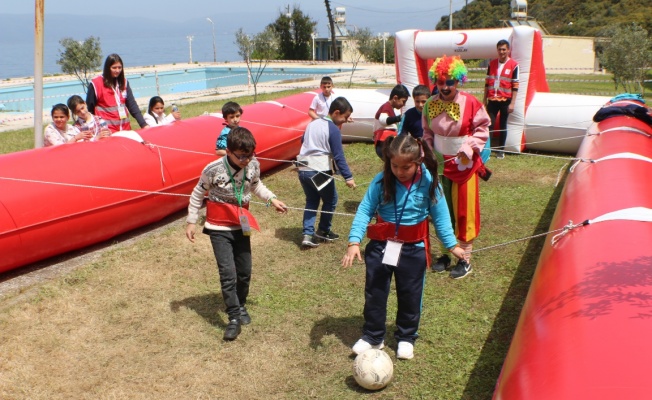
373,369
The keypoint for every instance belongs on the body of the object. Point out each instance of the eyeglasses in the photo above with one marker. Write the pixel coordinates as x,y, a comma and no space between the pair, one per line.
245,157
446,82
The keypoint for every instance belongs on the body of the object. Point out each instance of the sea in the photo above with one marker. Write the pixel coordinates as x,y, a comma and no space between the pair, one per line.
139,42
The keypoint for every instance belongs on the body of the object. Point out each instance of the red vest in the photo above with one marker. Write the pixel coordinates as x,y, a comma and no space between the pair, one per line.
504,80
107,107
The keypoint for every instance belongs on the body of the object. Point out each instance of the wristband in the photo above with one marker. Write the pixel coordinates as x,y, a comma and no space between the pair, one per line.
351,244
270,201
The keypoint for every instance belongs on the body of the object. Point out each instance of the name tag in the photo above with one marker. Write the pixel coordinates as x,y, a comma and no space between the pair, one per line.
392,253
244,223
122,111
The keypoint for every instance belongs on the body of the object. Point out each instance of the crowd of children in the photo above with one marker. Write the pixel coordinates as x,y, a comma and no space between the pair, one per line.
419,148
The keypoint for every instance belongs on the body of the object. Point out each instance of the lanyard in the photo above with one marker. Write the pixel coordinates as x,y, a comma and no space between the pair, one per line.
398,217
238,192
118,100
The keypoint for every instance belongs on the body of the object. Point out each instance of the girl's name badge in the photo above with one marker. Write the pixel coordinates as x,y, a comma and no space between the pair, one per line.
244,223
392,253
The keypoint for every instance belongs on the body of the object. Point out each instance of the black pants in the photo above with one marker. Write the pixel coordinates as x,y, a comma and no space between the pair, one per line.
493,109
409,275
233,255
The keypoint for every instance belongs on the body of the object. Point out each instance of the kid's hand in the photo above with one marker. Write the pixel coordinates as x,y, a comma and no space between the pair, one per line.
350,183
352,253
459,253
190,232
280,206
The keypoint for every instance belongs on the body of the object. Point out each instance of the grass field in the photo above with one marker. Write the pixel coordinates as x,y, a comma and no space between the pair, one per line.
145,320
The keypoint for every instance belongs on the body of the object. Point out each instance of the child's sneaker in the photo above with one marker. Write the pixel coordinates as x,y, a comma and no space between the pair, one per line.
327,236
362,345
309,241
441,264
405,351
245,318
461,270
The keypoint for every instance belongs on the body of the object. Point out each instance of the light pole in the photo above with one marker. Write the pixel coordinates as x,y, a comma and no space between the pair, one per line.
214,52
450,15
313,35
384,35
190,45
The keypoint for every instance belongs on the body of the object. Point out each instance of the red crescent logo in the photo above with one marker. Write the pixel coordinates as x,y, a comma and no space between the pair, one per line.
464,39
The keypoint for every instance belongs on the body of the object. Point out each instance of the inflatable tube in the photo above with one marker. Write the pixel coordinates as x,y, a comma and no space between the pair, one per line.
62,198
584,331
558,122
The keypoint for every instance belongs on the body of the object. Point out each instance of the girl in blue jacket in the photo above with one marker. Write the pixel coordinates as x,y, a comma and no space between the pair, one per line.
401,198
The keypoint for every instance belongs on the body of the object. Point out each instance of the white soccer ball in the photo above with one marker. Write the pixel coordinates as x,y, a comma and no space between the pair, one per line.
373,369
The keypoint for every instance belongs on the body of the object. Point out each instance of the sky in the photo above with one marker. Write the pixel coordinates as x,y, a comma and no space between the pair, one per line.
147,32
378,15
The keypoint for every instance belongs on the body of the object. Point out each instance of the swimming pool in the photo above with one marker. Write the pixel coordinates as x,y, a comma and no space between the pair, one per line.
21,98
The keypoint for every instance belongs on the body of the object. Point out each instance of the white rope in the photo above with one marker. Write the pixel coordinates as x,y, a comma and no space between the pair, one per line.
621,128
78,185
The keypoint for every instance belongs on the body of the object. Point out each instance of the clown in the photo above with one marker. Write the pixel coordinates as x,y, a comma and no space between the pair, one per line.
456,126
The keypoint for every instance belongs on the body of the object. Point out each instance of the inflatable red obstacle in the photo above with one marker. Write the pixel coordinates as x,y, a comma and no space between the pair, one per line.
584,331
57,199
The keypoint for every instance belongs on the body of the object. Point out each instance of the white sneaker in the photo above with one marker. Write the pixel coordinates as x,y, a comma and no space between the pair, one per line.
405,351
362,345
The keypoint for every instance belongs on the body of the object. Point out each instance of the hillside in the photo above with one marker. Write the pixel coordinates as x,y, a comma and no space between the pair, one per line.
560,17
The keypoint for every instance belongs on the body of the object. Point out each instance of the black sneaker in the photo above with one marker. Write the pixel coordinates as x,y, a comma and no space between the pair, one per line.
461,270
245,318
327,236
441,264
232,330
309,241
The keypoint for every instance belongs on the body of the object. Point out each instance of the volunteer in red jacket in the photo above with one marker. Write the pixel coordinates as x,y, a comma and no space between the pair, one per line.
110,97
500,90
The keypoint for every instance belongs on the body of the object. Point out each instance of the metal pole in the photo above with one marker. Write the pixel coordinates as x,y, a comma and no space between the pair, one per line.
190,45
450,15
313,46
214,52
39,12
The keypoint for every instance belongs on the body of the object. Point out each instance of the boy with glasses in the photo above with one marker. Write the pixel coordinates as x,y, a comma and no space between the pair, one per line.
230,181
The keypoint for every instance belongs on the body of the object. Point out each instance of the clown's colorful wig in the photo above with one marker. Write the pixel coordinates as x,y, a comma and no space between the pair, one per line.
448,67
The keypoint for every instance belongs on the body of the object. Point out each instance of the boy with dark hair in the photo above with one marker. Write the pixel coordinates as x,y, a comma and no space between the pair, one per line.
322,101
321,146
230,181
388,116
500,90
411,123
231,112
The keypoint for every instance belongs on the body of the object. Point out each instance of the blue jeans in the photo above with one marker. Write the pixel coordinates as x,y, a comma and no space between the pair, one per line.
327,195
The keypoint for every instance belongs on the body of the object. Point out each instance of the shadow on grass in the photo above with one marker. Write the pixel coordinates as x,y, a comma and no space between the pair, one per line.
482,380
351,206
292,235
206,306
346,329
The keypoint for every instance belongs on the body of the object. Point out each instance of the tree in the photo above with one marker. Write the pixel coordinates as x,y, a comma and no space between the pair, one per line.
257,52
331,23
628,56
360,44
376,50
294,32
81,59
